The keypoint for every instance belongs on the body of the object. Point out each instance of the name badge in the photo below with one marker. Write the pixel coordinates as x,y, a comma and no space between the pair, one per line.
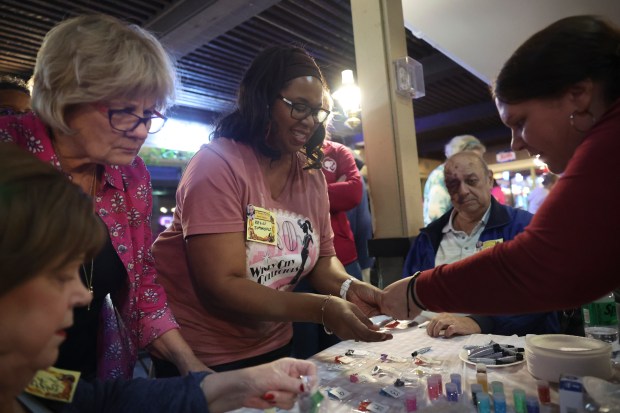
54,384
481,246
491,243
261,225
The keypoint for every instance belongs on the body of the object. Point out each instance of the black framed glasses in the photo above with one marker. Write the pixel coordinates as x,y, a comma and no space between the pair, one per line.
125,121
300,111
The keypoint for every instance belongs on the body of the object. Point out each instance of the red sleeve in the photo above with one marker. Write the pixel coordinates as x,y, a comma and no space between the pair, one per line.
347,194
568,254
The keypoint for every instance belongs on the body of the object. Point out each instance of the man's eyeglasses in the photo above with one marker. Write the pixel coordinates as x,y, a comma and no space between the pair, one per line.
125,121
300,111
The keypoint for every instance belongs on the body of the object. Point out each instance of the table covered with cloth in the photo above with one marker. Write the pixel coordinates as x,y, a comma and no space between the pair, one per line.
360,377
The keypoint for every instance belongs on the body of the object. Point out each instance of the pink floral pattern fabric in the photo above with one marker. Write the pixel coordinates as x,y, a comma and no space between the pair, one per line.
138,313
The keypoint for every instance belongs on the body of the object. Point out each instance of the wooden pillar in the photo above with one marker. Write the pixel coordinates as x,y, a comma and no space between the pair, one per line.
389,133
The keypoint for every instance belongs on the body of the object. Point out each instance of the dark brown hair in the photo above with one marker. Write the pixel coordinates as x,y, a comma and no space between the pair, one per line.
259,89
566,52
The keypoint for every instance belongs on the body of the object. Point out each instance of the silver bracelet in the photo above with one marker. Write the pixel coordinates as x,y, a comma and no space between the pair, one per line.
327,331
344,288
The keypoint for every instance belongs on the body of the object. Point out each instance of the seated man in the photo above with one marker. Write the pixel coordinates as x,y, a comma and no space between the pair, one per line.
476,222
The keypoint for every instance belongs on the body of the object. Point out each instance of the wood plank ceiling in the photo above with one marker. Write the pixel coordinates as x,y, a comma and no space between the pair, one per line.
456,102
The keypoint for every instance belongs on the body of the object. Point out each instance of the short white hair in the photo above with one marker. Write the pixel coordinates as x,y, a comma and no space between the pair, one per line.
98,58
463,143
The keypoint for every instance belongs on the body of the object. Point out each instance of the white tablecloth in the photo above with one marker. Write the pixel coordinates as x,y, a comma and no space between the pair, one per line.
444,351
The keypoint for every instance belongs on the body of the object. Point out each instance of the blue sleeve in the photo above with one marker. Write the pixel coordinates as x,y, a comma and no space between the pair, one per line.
507,325
177,394
420,256
485,322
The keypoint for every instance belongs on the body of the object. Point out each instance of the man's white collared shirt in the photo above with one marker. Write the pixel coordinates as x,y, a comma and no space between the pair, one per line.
456,245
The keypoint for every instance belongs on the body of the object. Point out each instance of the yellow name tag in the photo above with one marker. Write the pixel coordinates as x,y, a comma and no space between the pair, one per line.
54,384
491,243
261,225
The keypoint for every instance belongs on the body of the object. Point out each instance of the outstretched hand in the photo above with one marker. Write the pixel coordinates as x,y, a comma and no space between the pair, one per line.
349,322
275,384
366,296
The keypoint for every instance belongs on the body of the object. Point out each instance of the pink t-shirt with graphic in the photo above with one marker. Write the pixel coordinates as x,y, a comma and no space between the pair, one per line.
221,181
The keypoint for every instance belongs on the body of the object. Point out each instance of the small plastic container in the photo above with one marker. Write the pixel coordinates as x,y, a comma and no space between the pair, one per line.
452,394
519,400
544,394
499,402
483,402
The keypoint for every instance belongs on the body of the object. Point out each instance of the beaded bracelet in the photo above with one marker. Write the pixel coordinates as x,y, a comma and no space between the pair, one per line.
410,291
327,331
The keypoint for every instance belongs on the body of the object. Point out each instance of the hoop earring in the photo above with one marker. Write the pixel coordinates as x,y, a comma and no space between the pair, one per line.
572,120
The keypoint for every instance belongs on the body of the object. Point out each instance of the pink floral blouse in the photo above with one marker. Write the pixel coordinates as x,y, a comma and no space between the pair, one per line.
137,314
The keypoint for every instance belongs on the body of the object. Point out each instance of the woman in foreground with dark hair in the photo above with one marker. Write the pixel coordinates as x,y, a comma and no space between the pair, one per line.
41,248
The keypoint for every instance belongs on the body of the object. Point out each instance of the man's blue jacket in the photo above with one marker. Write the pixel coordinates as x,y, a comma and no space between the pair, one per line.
504,223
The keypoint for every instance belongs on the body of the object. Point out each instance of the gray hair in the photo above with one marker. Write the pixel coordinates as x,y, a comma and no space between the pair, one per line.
95,58
463,143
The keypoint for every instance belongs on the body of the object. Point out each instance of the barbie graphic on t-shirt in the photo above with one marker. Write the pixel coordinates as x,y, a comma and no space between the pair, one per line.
296,251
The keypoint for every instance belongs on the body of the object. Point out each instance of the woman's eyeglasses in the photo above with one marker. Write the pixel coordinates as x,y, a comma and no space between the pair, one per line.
300,111
125,121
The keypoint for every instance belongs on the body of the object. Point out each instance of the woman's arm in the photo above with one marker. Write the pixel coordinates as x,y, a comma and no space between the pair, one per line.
328,276
269,385
172,347
221,284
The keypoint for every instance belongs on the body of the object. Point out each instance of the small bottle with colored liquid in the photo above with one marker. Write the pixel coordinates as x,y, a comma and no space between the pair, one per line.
519,400
544,395
411,399
481,376
456,379
499,402
475,389
433,386
484,403
531,402
497,387
452,394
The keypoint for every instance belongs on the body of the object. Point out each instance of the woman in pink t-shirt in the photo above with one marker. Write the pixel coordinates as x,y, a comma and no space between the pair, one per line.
252,219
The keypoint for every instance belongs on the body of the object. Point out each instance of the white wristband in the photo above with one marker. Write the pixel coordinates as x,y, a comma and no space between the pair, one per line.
344,288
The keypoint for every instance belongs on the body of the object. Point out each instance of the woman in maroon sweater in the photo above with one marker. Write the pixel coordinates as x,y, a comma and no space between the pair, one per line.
559,94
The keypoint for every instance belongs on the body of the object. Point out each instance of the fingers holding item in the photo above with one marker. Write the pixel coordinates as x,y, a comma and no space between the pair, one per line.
300,368
282,399
347,321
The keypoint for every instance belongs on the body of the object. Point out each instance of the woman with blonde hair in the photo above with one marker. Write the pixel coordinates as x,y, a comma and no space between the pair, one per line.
100,87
